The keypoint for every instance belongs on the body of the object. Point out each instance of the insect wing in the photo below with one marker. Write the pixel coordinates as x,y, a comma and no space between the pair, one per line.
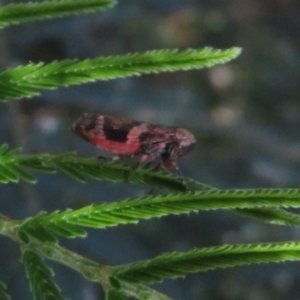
119,136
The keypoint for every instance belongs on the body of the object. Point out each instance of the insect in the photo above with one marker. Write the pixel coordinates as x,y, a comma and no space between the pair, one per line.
147,142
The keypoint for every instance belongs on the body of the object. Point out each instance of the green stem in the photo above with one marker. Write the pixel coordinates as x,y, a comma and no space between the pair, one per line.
93,271
90,269
7,226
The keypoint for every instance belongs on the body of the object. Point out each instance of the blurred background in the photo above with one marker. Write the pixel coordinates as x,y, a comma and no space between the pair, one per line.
245,116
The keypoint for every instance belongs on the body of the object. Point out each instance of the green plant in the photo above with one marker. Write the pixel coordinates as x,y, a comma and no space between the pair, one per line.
37,235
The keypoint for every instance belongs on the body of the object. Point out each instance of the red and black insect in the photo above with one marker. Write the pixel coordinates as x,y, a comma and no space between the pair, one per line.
146,142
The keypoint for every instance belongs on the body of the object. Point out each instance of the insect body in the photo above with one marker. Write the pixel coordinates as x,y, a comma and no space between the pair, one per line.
147,142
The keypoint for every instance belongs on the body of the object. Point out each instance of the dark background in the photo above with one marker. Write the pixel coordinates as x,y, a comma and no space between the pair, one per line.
245,115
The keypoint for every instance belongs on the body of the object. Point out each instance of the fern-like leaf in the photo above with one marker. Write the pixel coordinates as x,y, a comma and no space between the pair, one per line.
40,277
3,293
9,170
67,223
81,169
130,211
35,227
172,265
115,295
26,81
24,12
271,215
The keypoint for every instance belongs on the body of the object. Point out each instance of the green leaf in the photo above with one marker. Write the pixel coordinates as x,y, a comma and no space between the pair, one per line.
9,172
35,227
3,293
24,12
35,162
3,149
131,211
82,169
39,233
25,81
70,170
270,215
32,227
176,264
115,295
40,277
10,154
24,175
3,177
67,230
12,166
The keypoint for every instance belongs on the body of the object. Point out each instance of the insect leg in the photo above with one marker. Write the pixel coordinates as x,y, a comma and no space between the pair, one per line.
155,167
183,181
102,158
131,171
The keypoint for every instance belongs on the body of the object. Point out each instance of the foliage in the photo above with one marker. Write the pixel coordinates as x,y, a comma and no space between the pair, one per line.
173,265
25,12
3,293
24,81
40,277
37,235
